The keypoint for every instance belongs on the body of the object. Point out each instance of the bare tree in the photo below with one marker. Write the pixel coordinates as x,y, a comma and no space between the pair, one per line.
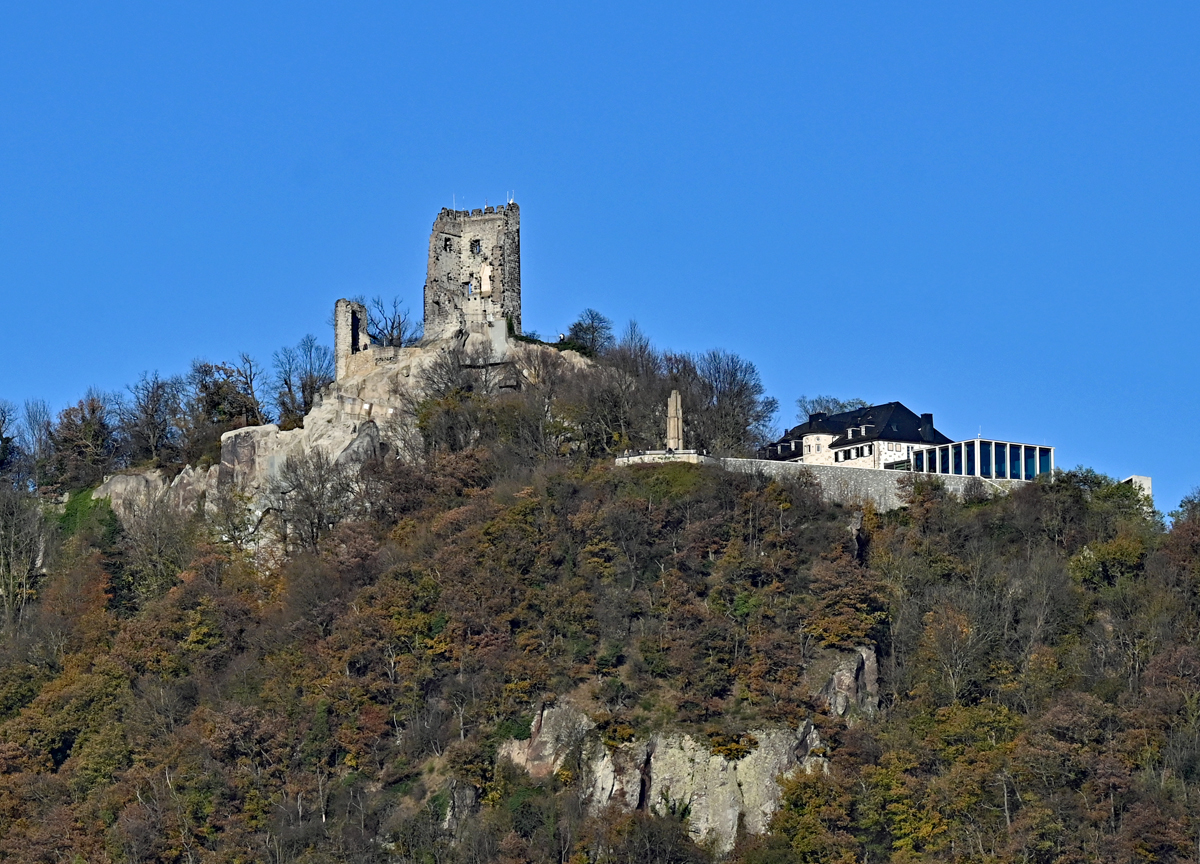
806,406
311,494
391,324
22,544
157,543
10,448
634,354
150,419
300,374
233,517
593,331
248,374
34,438
726,409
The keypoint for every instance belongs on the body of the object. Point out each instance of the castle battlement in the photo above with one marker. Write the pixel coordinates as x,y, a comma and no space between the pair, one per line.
473,276
472,291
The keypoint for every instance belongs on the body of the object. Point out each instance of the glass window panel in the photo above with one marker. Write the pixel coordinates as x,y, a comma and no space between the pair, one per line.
919,461
970,458
1001,460
985,458
944,454
1014,461
1030,463
1044,460
956,449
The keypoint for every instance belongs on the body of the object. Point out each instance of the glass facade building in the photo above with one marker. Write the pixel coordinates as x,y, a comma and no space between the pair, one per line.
993,460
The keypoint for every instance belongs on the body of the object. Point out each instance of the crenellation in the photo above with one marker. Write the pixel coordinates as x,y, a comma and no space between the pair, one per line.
473,276
472,291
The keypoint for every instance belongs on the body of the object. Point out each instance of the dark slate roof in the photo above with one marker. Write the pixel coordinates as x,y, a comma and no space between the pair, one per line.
888,422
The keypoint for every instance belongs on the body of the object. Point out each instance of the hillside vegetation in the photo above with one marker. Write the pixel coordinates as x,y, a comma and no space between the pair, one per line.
175,690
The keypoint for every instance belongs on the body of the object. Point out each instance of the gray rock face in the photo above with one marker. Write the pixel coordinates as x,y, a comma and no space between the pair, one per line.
854,684
671,771
191,487
127,492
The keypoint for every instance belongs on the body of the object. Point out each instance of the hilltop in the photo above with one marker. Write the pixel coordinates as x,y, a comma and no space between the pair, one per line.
405,603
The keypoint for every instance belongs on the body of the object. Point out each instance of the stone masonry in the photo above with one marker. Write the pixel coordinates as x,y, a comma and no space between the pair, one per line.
349,334
473,280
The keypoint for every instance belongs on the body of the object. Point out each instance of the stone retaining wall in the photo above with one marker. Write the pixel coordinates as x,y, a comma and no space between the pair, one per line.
839,484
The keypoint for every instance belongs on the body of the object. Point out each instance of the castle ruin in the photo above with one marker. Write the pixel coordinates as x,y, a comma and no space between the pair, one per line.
472,292
473,280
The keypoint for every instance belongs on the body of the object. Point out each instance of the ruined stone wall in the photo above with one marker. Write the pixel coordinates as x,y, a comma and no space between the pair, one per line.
473,278
350,337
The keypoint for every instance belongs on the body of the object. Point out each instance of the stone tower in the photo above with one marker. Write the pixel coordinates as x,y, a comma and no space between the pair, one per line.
473,282
349,334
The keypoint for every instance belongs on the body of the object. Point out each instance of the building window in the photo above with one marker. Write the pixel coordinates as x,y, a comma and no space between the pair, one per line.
869,450
447,246
1044,460
970,459
919,461
1001,460
475,247
985,458
818,448
1014,461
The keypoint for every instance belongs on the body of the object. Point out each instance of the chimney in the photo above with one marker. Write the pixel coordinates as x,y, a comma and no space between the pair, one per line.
926,427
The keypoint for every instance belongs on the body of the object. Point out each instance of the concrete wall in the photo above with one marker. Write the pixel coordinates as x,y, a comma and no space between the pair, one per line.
473,277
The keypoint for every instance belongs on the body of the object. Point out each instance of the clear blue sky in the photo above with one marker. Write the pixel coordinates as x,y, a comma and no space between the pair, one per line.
990,214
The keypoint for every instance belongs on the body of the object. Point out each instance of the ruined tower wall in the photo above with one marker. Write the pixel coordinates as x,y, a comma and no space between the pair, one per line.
349,334
473,279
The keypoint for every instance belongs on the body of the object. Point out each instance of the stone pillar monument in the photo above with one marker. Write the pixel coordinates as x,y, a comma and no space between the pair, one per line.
674,422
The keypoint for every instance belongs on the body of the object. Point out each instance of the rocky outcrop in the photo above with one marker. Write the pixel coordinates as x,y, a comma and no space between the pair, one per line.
670,771
128,492
191,487
461,804
350,422
853,685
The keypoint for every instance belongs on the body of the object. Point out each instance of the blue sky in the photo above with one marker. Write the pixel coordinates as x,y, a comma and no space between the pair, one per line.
987,213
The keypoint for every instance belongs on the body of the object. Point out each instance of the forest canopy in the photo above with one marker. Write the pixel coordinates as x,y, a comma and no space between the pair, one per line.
173,687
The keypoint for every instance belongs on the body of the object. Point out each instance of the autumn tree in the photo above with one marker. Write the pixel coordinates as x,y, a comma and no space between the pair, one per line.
83,441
